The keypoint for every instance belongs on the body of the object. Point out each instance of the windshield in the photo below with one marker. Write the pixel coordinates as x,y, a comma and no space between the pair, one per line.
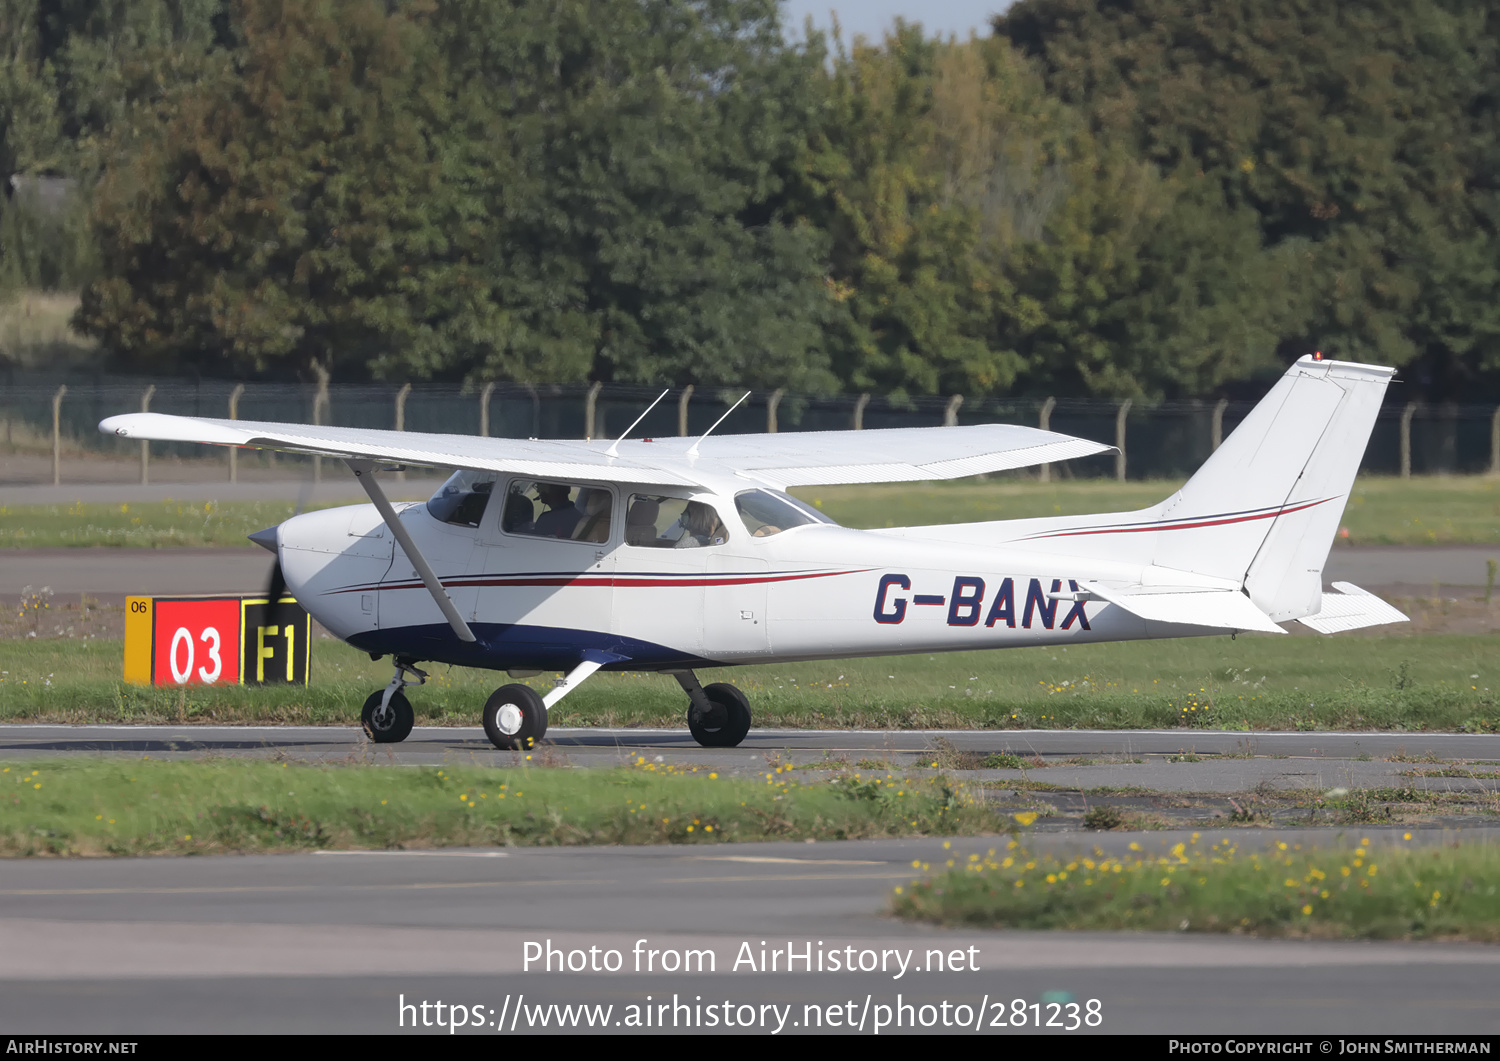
766,513
462,499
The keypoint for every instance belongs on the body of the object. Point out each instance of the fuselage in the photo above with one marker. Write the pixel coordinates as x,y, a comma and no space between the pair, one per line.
640,601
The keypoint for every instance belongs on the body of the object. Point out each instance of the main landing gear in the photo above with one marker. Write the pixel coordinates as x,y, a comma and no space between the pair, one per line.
515,716
718,715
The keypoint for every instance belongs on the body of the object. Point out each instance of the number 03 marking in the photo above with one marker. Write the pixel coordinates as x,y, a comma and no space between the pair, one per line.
210,637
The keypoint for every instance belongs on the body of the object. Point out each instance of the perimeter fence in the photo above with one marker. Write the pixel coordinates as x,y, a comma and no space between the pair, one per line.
1162,440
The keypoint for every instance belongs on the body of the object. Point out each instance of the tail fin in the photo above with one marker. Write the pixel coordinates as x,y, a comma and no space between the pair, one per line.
1264,508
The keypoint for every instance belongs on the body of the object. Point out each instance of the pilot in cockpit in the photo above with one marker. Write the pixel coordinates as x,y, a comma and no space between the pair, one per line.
561,517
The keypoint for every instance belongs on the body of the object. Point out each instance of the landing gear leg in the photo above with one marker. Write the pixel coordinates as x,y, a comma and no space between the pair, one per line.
387,716
719,715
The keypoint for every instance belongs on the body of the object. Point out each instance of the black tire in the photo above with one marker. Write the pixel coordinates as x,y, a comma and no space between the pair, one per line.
727,723
518,729
397,723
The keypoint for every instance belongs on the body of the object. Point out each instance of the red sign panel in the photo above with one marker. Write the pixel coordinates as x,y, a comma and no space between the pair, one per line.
197,642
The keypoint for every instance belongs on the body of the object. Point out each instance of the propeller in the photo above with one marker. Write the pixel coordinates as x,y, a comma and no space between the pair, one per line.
270,540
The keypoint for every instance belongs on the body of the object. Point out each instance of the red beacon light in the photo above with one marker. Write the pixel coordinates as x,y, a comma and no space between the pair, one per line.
1317,355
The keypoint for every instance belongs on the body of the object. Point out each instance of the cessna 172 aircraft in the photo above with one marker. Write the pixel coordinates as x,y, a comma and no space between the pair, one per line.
670,555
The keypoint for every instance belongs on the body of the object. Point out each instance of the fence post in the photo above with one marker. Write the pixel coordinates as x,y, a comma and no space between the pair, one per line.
1218,430
484,409
682,406
146,446
401,396
589,405
1495,442
1406,415
1044,421
950,414
859,412
57,435
320,406
1120,439
234,414
771,405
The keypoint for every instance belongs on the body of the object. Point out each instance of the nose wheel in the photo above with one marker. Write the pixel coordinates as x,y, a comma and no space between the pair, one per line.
387,717
515,717
390,722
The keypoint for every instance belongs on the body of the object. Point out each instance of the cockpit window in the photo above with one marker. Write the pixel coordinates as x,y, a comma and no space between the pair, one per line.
766,513
541,509
462,499
653,521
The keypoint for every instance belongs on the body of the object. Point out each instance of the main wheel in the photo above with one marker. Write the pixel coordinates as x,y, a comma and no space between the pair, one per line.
391,725
515,717
726,722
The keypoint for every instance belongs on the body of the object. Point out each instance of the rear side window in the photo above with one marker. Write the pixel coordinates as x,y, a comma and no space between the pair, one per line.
545,509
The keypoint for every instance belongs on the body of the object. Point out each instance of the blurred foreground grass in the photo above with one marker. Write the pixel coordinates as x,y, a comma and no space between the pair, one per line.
1363,892
75,807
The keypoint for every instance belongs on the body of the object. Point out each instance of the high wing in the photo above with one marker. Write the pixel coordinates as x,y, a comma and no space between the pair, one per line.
780,460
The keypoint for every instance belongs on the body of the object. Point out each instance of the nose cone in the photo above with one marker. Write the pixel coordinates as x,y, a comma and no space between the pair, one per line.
267,539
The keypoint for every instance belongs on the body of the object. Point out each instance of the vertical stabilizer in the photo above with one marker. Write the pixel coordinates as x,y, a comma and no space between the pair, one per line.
1264,508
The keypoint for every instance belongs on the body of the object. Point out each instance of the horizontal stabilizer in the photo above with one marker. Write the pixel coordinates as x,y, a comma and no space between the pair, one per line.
1349,609
1226,609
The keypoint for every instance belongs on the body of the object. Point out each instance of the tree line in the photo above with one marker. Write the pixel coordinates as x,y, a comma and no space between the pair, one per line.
1111,199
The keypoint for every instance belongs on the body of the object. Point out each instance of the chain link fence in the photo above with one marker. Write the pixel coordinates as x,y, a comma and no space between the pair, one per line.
1165,440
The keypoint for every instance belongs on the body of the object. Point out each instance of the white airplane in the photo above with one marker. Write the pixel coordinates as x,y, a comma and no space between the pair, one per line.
670,555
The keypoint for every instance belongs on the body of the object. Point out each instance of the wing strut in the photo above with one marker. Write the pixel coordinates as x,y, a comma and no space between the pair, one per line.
364,471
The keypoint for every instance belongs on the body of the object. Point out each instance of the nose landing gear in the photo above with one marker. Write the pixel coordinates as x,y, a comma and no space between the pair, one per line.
387,716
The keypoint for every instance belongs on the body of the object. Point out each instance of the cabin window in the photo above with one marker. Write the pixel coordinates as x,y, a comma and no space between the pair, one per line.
653,521
462,499
547,509
766,513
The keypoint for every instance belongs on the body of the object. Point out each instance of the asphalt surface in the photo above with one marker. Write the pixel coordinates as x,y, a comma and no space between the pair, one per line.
339,942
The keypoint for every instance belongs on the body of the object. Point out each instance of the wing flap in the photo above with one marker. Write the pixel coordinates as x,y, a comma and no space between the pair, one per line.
1350,609
1226,609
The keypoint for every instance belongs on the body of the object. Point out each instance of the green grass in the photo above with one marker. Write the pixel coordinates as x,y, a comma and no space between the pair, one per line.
1363,893
153,807
139,524
1440,510
1254,682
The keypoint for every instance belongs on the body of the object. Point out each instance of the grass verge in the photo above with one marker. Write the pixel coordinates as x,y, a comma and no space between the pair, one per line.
1430,682
1420,893
148,807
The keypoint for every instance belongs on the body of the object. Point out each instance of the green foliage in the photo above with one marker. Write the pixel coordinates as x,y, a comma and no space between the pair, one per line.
629,160
287,207
1359,140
